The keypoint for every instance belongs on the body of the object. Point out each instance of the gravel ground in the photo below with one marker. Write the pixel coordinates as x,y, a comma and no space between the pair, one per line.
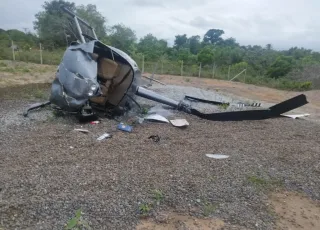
48,170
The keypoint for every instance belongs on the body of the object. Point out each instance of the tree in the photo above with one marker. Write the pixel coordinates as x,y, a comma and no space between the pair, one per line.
54,26
282,66
231,42
123,38
298,53
180,41
50,23
206,55
23,40
194,44
213,36
151,47
90,14
269,47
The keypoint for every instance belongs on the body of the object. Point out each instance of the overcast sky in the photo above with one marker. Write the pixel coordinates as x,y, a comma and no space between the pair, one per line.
283,23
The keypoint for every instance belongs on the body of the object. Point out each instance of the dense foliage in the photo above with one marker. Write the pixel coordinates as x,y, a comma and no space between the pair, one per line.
53,30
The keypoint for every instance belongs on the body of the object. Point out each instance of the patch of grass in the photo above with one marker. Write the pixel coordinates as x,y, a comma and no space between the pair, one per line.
25,70
187,79
157,196
209,209
40,94
262,183
3,64
77,222
57,113
257,181
144,209
144,110
9,70
224,106
280,83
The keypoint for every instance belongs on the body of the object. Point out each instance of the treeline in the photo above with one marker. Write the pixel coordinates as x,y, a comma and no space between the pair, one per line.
54,31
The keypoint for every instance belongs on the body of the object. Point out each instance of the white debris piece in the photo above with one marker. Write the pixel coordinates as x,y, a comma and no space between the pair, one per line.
294,116
104,136
179,122
156,117
217,156
82,130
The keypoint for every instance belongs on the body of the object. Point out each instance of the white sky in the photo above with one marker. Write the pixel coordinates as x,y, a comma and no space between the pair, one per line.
283,23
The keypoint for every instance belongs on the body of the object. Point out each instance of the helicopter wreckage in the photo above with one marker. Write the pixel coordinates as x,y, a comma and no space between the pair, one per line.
95,77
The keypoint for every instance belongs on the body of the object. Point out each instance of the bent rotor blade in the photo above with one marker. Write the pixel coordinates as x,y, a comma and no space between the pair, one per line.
273,111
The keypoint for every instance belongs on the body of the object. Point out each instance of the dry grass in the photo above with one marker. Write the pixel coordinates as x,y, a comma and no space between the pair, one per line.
20,73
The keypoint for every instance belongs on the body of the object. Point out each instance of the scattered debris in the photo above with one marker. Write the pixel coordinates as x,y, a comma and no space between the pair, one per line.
294,116
82,130
189,98
179,122
155,138
156,117
125,128
94,122
217,156
159,109
135,120
36,106
104,136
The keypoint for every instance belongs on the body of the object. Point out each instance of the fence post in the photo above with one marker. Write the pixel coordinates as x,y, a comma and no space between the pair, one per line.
181,70
245,74
161,67
213,69
229,72
200,70
13,54
142,70
40,54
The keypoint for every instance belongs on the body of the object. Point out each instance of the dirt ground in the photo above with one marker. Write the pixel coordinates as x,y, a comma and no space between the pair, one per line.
271,179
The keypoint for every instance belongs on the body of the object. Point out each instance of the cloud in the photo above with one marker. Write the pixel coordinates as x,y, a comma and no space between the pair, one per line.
203,23
284,23
146,3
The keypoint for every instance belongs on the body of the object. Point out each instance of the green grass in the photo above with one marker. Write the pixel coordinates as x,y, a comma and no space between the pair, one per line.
173,68
209,209
3,64
77,222
224,106
257,181
8,70
144,209
157,196
280,83
33,56
39,94
16,69
261,183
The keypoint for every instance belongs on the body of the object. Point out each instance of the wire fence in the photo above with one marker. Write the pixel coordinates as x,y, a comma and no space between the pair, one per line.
169,67
44,54
19,51
41,55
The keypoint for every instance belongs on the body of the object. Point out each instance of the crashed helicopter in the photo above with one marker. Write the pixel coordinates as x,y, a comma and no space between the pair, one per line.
93,76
